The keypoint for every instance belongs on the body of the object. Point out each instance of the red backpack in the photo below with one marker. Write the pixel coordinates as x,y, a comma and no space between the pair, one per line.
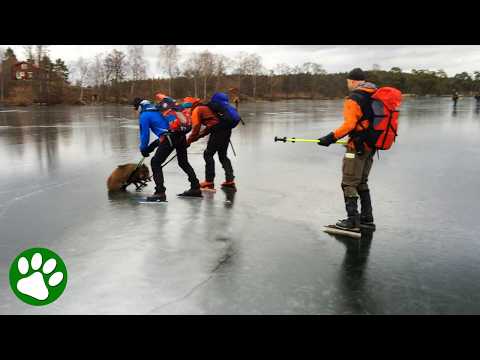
384,124
179,120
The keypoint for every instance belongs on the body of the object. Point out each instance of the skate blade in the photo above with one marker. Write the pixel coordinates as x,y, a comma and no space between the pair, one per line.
145,201
368,227
334,230
209,190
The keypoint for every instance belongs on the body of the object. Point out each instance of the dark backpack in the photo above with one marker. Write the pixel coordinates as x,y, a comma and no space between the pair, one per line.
226,114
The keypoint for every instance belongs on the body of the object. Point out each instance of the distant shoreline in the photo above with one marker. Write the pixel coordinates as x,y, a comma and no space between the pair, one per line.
244,101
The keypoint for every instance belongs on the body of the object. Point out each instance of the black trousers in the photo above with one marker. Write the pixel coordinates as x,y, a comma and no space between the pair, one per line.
218,142
179,143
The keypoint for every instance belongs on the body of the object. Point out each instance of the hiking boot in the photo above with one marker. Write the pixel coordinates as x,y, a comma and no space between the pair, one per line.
367,223
192,193
352,223
157,197
366,216
229,185
207,185
366,220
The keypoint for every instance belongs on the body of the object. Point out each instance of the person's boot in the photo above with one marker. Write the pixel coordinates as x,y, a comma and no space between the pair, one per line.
352,223
366,216
192,192
207,185
157,197
229,185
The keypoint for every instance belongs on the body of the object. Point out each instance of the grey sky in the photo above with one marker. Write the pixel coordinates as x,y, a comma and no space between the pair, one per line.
334,58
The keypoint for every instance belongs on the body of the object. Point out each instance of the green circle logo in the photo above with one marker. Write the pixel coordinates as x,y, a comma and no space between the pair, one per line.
38,276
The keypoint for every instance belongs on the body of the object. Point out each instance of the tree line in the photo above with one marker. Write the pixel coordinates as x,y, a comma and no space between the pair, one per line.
117,77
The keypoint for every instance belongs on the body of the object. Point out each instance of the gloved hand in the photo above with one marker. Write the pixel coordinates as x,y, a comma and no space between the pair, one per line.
145,153
153,145
327,140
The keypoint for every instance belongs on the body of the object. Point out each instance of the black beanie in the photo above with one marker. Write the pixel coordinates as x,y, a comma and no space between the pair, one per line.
136,102
357,74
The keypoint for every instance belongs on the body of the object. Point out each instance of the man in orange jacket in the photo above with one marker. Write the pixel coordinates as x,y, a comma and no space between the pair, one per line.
217,143
358,159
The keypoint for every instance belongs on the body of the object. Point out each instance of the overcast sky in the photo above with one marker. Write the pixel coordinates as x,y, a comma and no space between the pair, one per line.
334,58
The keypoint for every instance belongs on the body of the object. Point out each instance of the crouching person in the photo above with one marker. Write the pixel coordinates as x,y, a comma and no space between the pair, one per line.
150,118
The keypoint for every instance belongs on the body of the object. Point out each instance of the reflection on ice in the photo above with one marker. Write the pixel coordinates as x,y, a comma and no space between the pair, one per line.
260,250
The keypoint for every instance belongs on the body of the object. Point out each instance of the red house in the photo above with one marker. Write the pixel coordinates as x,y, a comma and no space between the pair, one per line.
24,71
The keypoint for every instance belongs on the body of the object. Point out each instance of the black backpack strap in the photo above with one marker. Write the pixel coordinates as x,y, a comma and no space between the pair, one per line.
364,100
215,107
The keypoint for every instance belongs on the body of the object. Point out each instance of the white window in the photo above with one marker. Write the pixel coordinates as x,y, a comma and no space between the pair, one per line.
30,74
24,66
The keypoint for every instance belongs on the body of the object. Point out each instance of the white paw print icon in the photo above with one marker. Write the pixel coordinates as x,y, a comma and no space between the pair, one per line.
35,284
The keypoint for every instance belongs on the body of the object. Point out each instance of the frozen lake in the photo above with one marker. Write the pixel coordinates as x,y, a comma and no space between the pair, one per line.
265,253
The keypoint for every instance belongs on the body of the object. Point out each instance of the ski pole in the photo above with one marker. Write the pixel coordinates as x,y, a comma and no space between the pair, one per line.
285,139
233,148
173,157
136,168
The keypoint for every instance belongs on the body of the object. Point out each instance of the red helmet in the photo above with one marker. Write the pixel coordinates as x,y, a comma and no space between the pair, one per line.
190,99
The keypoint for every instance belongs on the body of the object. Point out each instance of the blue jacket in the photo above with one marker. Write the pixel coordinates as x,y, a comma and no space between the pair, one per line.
150,119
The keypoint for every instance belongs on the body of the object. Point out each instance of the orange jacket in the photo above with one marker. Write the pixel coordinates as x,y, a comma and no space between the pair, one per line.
352,114
201,115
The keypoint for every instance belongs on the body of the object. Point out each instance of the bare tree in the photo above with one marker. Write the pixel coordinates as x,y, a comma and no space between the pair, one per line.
40,52
253,66
313,70
96,75
81,69
192,70
168,61
137,65
28,50
207,68
115,70
241,68
2,55
273,81
221,64
115,66
285,71
295,73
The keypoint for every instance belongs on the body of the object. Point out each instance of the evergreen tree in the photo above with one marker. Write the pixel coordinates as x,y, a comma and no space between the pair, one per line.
9,54
61,69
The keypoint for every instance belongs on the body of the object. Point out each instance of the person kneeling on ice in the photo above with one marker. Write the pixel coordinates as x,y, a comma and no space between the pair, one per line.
219,118
371,121
170,136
